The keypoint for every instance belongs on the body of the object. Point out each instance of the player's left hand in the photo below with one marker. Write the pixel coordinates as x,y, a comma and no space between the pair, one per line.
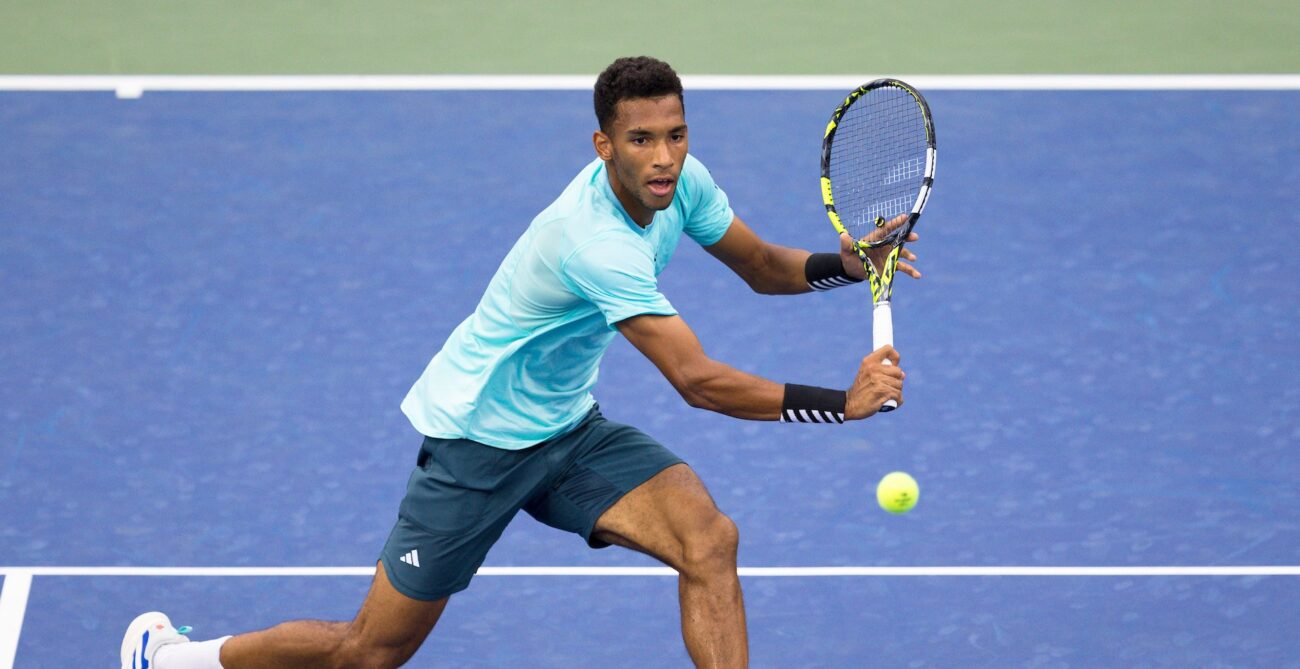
853,262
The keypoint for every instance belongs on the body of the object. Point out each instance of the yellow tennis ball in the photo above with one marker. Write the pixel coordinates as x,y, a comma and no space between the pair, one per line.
897,492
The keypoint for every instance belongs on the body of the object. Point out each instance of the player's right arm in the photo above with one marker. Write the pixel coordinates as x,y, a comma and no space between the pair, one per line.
708,384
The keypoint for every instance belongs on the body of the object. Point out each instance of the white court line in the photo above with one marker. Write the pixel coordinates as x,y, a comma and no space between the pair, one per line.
13,606
134,85
1243,570
18,580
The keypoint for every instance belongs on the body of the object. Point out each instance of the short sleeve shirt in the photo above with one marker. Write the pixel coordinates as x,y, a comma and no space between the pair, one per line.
519,370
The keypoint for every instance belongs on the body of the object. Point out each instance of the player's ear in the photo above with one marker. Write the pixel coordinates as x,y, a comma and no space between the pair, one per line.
604,147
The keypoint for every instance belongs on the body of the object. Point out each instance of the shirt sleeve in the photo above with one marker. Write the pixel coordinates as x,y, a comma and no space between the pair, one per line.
618,277
708,213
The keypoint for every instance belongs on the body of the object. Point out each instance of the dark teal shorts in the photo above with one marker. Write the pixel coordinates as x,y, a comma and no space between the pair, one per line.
462,495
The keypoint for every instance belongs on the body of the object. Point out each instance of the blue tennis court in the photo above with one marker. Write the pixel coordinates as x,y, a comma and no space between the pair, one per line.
213,303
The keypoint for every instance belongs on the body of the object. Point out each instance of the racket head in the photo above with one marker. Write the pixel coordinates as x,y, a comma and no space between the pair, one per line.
878,160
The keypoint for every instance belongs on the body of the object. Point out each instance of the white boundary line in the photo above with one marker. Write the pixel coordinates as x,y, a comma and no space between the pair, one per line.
1244,570
18,580
134,85
13,606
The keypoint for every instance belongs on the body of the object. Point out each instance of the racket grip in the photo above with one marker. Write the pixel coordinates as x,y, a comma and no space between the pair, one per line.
882,334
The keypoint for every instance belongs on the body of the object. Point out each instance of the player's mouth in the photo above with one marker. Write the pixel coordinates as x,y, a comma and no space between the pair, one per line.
661,187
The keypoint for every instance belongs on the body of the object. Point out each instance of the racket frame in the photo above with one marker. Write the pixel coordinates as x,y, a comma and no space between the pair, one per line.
882,281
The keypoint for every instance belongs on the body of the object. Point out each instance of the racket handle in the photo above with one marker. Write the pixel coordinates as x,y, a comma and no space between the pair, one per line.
882,334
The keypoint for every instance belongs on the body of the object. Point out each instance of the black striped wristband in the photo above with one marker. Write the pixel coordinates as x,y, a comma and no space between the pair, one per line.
810,404
825,271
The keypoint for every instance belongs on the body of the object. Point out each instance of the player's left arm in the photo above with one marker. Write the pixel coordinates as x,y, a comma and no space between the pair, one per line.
772,269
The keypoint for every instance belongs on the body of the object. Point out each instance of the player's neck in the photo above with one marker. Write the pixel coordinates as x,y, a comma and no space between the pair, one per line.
639,213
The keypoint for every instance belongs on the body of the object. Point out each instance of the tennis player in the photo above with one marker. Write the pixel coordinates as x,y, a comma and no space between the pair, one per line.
509,422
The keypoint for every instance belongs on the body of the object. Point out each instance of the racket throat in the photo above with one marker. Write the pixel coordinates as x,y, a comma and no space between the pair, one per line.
880,279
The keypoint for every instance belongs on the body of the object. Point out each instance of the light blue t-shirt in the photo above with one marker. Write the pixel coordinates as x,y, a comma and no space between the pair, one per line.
519,370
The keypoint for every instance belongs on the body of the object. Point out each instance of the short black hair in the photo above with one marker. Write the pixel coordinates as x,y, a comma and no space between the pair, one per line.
631,78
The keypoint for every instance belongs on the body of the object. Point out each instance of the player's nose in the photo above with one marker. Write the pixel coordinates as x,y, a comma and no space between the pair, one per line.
663,157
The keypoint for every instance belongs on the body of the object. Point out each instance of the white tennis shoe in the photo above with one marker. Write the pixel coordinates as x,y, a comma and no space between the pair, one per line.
146,634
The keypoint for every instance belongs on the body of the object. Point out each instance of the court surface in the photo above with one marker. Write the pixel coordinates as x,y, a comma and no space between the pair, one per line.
213,303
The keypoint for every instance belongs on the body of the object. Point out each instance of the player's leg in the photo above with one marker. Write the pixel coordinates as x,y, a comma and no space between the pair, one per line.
386,632
619,486
459,499
672,518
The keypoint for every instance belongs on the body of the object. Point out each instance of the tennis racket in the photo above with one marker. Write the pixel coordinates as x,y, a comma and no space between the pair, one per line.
878,158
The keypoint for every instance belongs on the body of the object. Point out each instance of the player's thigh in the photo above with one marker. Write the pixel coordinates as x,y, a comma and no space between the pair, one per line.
391,624
459,499
665,516
594,467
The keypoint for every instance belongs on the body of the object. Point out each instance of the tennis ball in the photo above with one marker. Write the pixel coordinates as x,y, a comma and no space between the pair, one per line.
897,492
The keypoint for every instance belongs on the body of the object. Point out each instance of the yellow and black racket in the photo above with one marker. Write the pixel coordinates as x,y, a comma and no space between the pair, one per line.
877,168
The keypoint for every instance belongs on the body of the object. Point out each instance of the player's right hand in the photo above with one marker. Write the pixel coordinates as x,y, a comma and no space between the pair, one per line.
875,383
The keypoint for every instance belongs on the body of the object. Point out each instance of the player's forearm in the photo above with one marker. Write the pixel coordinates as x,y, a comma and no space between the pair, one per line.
718,387
708,384
778,270
781,271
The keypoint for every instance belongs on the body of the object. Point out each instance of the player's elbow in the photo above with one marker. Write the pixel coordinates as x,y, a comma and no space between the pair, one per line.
698,397
762,278
696,386
752,276
759,273
700,400
762,285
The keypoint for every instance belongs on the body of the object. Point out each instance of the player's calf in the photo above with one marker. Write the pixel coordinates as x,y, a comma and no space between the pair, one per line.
322,645
360,651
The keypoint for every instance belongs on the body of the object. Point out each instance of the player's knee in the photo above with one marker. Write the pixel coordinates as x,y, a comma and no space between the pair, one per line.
710,547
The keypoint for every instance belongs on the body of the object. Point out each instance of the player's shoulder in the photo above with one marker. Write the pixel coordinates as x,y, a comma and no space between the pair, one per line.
696,182
692,163
583,197
581,216
695,170
578,201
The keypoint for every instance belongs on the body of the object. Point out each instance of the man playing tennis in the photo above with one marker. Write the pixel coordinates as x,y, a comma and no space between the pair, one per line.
510,424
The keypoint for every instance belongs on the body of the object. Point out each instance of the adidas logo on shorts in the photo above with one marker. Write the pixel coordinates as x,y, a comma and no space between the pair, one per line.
412,558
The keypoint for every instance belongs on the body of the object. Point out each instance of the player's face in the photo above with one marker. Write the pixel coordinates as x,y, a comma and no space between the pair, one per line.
644,150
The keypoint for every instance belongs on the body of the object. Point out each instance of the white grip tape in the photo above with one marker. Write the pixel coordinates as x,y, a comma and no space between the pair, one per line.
882,334
882,326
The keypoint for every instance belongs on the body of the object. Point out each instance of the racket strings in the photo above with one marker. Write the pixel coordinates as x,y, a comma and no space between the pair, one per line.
878,161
